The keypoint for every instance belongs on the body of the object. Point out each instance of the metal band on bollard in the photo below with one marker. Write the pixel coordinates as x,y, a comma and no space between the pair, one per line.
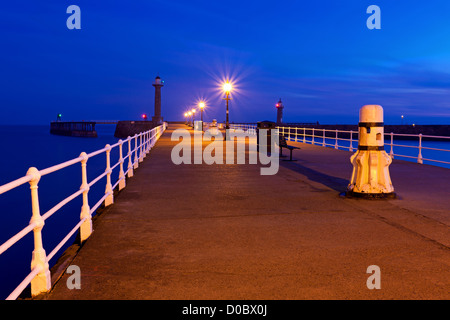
370,124
371,148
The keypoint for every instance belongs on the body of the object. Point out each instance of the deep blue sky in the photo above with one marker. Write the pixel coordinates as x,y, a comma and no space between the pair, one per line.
318,56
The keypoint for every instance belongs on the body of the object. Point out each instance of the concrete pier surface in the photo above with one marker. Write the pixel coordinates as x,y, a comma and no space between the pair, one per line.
203,231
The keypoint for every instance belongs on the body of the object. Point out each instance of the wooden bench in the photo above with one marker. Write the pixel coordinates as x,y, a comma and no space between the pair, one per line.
283,144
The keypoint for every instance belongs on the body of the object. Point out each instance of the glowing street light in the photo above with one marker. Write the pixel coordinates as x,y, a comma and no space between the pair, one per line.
227,89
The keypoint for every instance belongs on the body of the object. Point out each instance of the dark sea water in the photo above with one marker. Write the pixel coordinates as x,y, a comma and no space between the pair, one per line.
23,147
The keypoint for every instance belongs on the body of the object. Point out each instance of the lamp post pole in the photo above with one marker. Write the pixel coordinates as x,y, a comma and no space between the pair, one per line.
201,105
227,89
227,124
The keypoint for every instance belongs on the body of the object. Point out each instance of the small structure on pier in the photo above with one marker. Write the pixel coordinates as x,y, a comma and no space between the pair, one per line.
74,128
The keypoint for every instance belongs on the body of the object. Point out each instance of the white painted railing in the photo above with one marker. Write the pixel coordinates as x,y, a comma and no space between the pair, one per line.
319,136
323,136
39,276
334,139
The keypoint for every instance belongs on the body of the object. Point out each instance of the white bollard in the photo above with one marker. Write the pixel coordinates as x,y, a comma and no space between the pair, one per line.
370,176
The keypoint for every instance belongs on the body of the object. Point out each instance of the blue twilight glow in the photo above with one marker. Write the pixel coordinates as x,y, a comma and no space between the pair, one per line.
318,56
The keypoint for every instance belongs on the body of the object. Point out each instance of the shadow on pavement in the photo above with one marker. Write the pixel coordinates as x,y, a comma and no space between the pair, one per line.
335,183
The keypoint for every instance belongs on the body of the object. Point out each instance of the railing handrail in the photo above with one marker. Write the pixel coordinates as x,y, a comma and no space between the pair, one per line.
40,267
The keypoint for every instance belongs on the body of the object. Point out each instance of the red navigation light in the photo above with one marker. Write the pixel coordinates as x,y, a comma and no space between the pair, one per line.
144,116
278,105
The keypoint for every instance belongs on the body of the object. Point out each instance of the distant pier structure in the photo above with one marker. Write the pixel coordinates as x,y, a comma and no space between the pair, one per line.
130,128
74,128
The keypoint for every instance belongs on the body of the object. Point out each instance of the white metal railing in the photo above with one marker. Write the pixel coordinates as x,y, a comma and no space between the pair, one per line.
39,277
331,138
334,138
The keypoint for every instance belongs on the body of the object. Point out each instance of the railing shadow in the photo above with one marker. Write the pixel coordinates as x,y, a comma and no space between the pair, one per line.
336,183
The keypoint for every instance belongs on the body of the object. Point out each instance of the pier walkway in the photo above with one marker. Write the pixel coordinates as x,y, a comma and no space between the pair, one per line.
226,232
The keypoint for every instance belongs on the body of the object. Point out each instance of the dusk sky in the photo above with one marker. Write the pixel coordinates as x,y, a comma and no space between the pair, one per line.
319,57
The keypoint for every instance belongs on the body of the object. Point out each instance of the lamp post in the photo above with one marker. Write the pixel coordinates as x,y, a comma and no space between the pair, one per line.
201,105
193,116
227,89
189,114
402,119
185,117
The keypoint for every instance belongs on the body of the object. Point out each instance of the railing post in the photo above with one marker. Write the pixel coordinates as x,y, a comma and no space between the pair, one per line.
351,140
336,146
122,182
144,145
130,161
323,138
419,157
312,141
42,281
86,226
136,159
391,153
151,138
150,145
141,153
304,135
108,190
